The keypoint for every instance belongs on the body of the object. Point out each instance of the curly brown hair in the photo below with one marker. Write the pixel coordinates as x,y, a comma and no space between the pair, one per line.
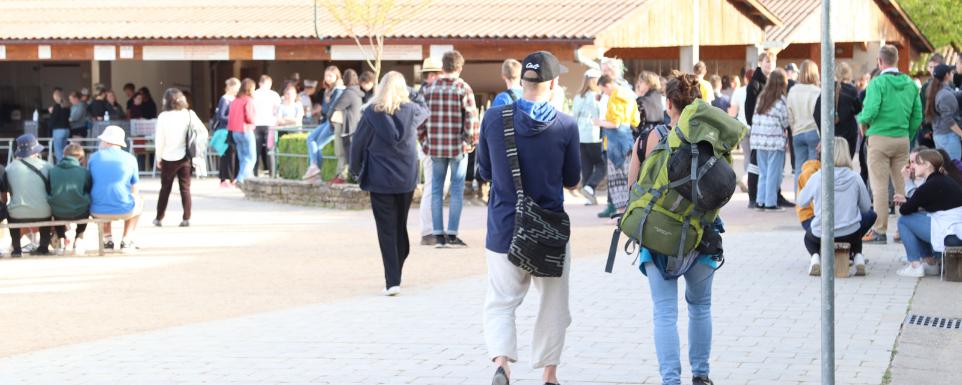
682,90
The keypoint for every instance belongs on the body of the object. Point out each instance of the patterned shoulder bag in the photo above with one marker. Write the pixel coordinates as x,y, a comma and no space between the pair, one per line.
540,238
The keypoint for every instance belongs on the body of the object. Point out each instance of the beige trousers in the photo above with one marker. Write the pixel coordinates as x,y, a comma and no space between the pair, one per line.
886,158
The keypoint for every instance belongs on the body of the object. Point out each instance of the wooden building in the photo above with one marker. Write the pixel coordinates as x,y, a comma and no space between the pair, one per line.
859,28
196,44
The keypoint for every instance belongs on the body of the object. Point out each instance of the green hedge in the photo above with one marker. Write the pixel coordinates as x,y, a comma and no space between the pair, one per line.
290,167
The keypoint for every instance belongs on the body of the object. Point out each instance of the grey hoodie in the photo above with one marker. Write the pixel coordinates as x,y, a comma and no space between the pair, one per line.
848,188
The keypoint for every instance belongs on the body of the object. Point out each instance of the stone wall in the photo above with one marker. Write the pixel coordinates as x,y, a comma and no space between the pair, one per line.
301,193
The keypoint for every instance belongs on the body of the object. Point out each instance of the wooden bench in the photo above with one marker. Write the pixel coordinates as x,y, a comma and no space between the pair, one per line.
842,263
96,221
952,264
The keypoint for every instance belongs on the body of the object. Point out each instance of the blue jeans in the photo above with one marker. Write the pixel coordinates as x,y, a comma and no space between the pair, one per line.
619,144
771,165
915,230
314,140
439,171
950,143
804,145
60,137
246,153
664,296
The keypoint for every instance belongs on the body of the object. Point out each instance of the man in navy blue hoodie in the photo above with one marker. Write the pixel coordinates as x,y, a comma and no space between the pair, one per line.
548,152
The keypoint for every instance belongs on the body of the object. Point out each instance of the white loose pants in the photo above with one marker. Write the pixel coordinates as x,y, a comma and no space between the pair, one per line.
507,287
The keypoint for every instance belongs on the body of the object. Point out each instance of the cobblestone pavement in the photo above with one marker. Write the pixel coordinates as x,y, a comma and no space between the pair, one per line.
766,331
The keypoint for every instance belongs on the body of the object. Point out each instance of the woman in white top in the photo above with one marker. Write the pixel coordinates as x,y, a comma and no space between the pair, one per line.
801,104
291,111
173,159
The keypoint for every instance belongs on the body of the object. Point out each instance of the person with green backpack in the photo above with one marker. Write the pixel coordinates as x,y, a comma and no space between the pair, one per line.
705,136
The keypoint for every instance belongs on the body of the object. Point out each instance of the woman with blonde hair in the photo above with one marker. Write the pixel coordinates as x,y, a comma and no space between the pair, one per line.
801,102
384,160
852,221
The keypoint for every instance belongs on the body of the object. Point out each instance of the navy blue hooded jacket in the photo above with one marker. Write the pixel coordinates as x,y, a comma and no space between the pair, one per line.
550,159
384,151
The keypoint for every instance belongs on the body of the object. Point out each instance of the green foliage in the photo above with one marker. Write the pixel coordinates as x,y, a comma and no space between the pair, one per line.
939,20
293,167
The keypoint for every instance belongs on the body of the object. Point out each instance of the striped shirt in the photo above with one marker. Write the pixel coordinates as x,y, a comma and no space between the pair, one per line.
453,123
768,129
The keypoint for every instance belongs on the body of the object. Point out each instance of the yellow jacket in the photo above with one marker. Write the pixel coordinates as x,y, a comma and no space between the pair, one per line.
622,108
808,169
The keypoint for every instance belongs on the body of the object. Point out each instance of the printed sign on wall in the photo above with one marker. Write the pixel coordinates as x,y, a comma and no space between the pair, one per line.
105,52
43,52
390,52
186,52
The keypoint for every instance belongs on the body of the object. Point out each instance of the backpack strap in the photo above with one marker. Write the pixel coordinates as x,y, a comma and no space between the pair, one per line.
512,96
46,181
511,149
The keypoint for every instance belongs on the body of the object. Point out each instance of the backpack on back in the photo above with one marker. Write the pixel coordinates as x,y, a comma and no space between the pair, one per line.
683,183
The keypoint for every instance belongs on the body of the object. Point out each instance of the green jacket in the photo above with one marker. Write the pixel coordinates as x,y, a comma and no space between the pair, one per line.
70,189
892,106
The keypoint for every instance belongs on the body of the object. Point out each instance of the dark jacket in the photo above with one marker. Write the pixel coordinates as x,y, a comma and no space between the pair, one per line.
220,114
384,151
550,158
349,103
848,106
60,116
70,189
938,193
98,107
751,93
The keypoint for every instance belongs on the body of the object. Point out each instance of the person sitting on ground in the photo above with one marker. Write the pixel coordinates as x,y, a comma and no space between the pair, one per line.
807,212
70,185
115,194
853,210
941,197
27,182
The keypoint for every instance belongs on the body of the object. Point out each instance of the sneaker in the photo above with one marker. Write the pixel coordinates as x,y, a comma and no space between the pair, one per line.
128,247
440,242
428,240
874,238
454,241
774,209
815,266
589,193
157,222
392,291
337,180
931,270
109,245
79,249
752,205
312,172
782,202
30,248
859,262
184,223
608,212
225,184
16,254
59,251
911,272
40,252
701,380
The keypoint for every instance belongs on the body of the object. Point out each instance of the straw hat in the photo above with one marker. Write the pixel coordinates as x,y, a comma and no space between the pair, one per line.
431,64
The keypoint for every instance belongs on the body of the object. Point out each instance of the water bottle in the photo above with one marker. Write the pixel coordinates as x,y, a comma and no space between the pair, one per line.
36,115
107,116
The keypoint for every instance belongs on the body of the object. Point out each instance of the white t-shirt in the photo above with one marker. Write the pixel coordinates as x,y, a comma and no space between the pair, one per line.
738,99
170,138
266,102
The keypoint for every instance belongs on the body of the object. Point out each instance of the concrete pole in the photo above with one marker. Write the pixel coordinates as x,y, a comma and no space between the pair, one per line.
828,198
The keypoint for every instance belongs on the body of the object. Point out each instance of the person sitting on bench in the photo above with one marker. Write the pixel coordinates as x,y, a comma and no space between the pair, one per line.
70,185
853,209
115,194
25,186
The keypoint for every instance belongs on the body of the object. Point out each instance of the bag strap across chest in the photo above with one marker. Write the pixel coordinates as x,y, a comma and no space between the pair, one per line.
511,149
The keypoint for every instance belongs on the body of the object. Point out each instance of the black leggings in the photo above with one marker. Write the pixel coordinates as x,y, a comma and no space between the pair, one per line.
262,157
593,167
16,233
227,168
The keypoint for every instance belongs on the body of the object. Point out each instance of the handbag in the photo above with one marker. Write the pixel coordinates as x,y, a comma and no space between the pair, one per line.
540,239
191,147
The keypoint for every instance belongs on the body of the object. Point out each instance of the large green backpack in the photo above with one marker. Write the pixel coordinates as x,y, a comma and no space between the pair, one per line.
658,216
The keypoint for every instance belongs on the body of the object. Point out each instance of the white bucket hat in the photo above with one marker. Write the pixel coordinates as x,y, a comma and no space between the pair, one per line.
113,135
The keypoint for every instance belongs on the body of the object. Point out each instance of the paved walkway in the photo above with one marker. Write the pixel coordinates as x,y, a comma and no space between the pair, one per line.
766,314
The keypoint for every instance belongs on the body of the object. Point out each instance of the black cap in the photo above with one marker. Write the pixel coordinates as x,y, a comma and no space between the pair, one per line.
941,70
541,67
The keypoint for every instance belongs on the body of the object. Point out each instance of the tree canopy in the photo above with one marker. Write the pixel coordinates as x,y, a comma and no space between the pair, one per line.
940,20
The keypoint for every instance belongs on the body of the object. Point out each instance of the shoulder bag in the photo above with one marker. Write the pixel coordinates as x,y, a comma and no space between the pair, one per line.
191,147
540,238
